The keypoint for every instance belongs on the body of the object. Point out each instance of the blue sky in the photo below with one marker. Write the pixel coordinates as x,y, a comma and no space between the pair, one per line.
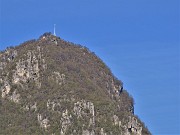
138,39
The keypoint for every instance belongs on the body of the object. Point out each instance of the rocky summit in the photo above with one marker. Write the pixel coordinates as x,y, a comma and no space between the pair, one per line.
50,86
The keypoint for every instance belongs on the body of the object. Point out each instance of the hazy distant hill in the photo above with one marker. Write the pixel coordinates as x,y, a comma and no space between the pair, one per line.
50,86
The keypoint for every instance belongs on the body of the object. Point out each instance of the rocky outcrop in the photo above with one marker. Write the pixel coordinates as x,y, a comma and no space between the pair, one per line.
134,126
31,107
83,108
44,122
102,132
28,69
86,109
5,89
58,78
116,121
65,122
54,105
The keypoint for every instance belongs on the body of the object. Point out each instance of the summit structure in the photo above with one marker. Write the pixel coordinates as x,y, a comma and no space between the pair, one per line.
54,29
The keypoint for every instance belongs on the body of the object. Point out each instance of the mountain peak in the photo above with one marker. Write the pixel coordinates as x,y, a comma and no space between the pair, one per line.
51,86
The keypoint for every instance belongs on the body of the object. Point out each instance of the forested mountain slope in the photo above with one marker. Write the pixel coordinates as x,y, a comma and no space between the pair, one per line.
51,86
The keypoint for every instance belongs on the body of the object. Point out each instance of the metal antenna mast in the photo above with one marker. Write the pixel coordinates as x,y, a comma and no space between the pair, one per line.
54,29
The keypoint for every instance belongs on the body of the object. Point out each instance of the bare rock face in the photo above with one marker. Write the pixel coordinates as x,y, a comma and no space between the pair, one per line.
51,86
44,122
134,127
5,89
28,69
58,78
65,122
82,108
116,120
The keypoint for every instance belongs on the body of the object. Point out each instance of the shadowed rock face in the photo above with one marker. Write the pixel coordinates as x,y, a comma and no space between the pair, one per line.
51,86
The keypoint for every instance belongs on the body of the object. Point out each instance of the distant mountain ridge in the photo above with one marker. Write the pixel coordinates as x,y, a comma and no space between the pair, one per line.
51,86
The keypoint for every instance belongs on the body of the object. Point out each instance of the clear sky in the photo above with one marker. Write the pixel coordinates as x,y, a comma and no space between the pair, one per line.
138,39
